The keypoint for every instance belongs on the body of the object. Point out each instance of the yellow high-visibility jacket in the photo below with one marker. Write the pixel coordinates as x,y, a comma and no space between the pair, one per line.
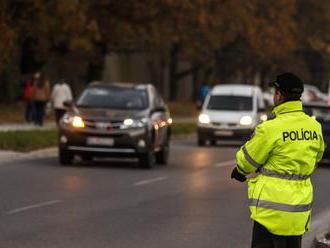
284,151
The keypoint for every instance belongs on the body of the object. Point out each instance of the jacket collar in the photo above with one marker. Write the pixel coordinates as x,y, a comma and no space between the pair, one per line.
287,107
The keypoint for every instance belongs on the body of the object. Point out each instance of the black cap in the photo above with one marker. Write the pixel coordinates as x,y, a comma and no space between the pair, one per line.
288,83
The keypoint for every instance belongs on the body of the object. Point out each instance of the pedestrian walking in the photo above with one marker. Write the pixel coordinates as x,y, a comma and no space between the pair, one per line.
283,152
204,90
61,92
40,97
29,106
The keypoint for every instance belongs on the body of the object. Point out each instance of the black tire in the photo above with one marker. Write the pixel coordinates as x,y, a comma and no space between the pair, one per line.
147,160
201,141
65,157
163,154
86,158
213,142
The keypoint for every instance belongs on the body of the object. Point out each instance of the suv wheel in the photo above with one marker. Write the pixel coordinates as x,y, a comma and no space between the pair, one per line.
87,158
147,160
162,155
65,157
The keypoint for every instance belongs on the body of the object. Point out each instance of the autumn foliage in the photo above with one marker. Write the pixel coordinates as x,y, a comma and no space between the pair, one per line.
221,39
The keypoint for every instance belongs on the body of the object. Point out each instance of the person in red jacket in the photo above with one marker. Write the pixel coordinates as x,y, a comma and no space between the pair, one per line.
29,106
40,97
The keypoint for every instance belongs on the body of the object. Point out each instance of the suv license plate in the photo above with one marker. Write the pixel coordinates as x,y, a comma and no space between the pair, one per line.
100,141
224,133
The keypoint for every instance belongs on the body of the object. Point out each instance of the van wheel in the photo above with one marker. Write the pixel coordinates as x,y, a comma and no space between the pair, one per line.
201,141
65,157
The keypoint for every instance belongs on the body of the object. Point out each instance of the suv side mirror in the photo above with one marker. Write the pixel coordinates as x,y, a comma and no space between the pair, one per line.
68,104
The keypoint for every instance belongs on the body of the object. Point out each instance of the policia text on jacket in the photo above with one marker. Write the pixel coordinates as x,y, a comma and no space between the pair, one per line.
300,135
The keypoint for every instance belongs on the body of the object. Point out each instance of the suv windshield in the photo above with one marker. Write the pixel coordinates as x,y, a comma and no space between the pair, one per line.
114,98
230,103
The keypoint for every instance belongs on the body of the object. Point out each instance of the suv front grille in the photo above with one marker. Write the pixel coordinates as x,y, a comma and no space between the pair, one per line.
103,125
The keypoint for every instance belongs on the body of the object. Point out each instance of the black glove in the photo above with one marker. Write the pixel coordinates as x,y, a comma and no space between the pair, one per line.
238,176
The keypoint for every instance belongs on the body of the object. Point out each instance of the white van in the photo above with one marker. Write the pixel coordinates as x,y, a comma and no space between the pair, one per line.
230,112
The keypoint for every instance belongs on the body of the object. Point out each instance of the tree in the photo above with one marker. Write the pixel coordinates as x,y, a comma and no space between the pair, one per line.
8,37
220,40
58,33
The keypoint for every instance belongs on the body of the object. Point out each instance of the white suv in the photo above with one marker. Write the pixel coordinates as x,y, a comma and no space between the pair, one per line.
230,112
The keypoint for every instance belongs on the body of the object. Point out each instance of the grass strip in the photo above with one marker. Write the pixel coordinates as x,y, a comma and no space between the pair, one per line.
184,128
25,141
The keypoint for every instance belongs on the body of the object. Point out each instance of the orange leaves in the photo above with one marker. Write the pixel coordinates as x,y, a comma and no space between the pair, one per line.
205,30
8,37
274,33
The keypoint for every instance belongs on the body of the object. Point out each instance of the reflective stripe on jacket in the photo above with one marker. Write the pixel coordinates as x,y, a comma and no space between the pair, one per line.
284,151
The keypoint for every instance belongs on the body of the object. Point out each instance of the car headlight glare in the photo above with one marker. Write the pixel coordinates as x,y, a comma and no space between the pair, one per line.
246,120
204,119
77,122
263,117
130,123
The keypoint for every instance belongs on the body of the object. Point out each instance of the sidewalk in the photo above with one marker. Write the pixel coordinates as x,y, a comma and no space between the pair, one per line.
25,127
179,119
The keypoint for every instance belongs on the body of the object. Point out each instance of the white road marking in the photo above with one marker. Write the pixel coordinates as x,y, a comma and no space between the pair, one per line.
226,163
147,181
38,205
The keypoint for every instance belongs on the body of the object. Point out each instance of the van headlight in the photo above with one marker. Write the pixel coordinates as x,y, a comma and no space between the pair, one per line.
131,123
263,117
204,119
246,120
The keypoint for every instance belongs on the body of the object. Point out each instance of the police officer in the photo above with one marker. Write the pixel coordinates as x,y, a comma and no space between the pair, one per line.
284,152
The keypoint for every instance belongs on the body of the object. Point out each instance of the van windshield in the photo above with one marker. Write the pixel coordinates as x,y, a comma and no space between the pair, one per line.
230,103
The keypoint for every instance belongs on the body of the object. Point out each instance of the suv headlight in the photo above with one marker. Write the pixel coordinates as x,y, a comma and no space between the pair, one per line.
75,121
204,119
131,123
246,120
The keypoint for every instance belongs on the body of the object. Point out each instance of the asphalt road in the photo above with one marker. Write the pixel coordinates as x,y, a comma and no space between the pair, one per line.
189,203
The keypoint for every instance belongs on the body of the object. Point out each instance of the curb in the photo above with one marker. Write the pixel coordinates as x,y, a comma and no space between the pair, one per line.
319,227
320,240
18,156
